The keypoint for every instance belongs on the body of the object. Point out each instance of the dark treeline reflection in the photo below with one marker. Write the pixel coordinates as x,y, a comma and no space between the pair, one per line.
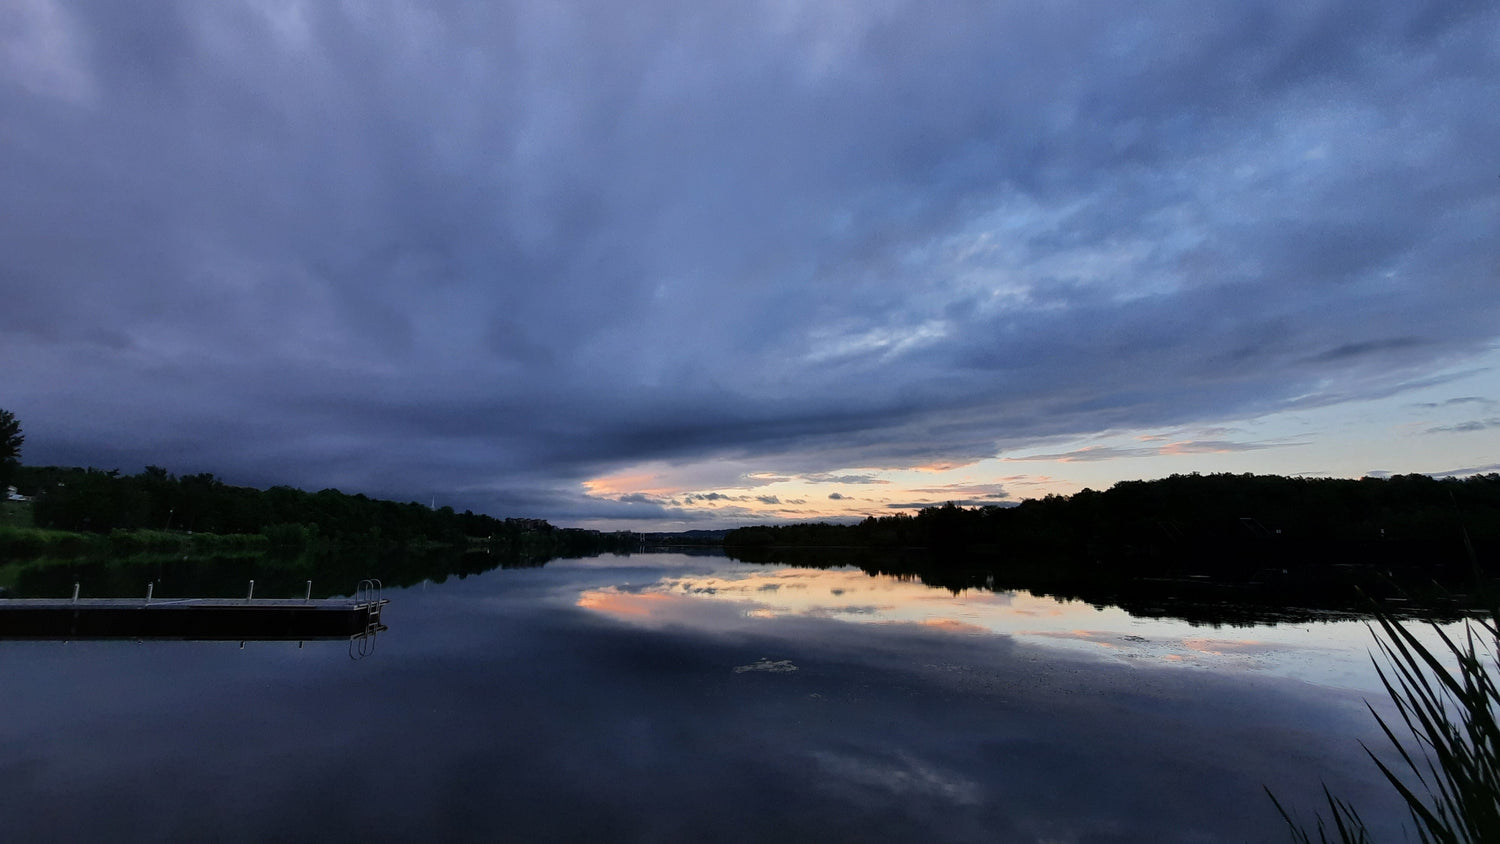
1208,548
1273,595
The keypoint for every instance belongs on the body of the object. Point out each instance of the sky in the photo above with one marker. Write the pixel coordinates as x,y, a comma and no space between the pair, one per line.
673,265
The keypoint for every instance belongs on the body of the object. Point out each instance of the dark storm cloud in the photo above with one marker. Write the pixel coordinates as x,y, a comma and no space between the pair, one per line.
486,252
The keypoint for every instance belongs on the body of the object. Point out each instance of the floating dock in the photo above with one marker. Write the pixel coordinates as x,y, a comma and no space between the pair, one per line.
225,619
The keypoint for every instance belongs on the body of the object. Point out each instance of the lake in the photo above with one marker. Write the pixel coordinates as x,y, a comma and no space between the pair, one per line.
668,697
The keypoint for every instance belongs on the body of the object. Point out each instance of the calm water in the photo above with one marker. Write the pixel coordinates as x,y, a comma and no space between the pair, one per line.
676,698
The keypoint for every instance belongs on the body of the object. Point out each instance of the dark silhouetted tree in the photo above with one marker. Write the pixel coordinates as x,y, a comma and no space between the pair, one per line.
10,436
10,446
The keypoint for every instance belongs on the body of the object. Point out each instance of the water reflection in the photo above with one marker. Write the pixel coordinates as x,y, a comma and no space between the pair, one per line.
670,698
1315,591
1331,651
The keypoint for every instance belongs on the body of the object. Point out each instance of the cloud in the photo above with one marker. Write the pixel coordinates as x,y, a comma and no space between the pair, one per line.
493,252
1098,453
1465,427
708,496
992,491
1219,446
638,498
823,478
1367,347
1089,454
958,502
1471,470
1456,401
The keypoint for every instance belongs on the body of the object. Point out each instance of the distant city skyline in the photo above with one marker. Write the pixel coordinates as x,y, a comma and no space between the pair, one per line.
669,266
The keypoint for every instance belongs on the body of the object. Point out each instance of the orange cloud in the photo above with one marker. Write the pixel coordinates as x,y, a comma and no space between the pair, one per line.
624,484
943,465
1191,447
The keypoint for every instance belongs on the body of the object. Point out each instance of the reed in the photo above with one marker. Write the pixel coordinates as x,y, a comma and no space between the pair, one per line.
1446,739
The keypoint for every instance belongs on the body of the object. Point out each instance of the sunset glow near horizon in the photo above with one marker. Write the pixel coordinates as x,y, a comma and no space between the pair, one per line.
671,267
1420,430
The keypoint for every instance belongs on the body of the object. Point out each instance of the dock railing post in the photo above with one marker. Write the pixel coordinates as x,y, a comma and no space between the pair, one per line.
308,597
251,593
75,593
149,587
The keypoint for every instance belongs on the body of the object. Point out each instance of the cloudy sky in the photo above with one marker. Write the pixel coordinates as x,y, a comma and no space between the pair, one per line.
690,264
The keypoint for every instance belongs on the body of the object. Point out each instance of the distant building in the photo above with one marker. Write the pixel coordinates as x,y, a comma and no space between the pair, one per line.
12,495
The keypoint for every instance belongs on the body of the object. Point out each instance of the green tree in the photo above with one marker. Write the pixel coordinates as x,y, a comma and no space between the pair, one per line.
10,436
10,447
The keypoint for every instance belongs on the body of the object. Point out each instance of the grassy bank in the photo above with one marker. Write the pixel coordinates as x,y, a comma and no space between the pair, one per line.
27,543
15,514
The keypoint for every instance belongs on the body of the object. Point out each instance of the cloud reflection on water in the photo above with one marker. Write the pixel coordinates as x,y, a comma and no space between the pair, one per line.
601,700
731,598
902,776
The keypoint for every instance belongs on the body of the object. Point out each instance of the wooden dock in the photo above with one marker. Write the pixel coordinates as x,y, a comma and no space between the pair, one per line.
241,619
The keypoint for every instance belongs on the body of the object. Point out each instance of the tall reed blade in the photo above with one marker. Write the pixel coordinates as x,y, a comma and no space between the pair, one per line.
1448,738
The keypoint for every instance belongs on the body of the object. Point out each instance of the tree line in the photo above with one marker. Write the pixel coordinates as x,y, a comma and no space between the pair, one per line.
95,501
1220,520
88,500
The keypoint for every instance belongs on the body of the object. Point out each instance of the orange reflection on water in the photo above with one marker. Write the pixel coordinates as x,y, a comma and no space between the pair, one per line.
953,625
747,597
1223,647
611,601
844,594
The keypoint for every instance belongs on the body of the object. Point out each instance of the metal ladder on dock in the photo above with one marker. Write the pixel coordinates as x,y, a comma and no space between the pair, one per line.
367,598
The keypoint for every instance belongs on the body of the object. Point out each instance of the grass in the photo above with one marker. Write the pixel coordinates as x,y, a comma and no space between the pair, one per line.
1447,738
28,542
9,574
15,514
21,543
